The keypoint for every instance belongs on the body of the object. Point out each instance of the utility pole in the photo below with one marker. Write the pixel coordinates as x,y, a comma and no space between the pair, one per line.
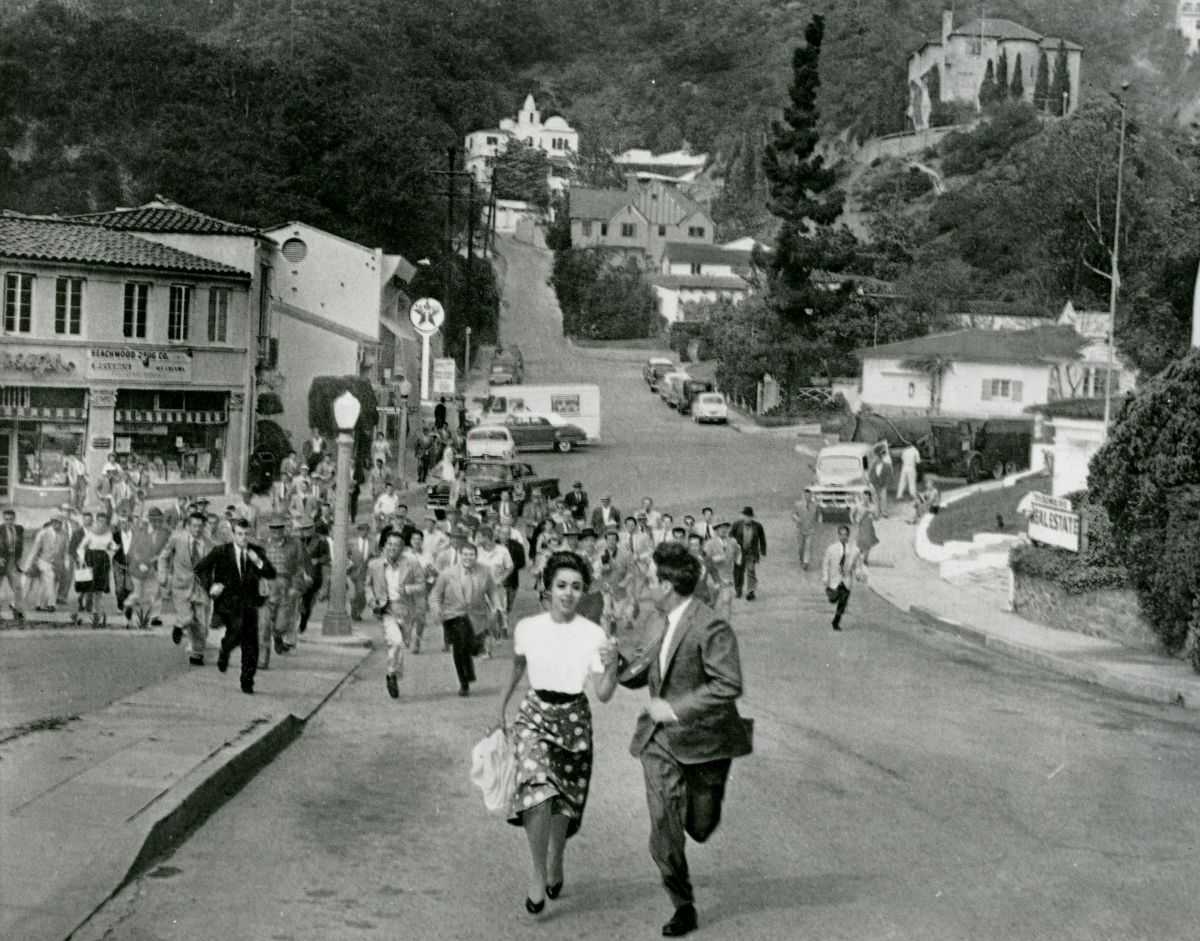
1114,278
449,227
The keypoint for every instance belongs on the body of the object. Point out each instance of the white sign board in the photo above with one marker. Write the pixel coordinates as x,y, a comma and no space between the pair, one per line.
427,316
444,376
130,363
1053,523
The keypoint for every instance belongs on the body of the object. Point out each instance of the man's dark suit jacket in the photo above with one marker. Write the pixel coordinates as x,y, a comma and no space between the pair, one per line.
11,549
241,592
756,548
598,523
702,683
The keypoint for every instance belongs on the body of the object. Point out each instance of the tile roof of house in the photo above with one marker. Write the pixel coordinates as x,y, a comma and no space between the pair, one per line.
996,29
598,204
709,282
1083,409
41,238
1051,42
1039,345
702,253
163,215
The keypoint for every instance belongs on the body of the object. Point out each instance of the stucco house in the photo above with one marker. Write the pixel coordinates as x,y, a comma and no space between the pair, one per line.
553,135
678,166
1067,433
983,373
956,61
690,272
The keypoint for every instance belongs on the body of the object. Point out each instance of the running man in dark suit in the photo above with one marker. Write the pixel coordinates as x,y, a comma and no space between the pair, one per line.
233,571
748,533
690,731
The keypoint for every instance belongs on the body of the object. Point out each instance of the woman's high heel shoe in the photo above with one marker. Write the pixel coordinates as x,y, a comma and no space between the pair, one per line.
554,891
534,908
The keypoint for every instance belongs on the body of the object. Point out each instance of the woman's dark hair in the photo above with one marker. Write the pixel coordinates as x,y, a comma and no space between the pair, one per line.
675,564
567,560
412,533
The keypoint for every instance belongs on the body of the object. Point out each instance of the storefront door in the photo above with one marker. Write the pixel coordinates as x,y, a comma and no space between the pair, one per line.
5,449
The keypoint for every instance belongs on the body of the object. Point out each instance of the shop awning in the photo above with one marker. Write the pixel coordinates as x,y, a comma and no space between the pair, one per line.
168,416
43,412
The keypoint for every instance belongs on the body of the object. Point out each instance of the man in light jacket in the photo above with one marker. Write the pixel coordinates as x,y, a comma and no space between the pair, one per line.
177,571
841,563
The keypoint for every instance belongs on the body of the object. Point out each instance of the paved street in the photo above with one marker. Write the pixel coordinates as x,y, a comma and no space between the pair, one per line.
903,785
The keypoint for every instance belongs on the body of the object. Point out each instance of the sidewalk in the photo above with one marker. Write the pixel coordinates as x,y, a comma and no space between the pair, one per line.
979,615
86,806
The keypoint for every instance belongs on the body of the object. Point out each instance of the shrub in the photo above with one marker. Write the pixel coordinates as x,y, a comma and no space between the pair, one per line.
323,391
1147,476
1091,570
1005,126
271,446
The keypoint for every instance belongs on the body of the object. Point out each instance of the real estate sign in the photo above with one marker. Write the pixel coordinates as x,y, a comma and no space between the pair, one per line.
1053,522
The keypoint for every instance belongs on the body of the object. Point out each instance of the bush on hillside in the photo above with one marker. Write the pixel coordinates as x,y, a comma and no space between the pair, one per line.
1005,126
1095,568
603,300
1147,476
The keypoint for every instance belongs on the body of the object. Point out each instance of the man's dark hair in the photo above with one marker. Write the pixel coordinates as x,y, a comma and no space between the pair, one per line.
675,564
706,509
194,516
393,534
843,529
241,523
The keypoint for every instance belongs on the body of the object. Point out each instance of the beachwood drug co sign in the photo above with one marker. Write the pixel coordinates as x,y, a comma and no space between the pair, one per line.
1052,522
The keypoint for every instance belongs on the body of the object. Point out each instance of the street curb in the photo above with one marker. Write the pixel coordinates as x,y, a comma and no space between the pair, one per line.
185,807
1164,693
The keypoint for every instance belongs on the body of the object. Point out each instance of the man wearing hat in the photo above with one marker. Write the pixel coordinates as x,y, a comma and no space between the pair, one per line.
277,625
317,555
748,533
576,502
605,515
40,567
358,555
122,534
724,554
177,570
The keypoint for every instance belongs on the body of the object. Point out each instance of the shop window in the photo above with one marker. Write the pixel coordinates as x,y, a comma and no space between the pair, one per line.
47,397
205,401
137,399
218,315
171,399
18,302
137,299
180,313
68,306
45,451
172,452
662,231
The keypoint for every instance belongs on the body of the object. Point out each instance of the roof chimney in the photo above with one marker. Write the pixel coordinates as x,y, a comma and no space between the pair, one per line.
947,26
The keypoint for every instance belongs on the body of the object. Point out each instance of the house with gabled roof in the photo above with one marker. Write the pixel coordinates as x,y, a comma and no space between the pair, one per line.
953,64
661,213
116,344
552,135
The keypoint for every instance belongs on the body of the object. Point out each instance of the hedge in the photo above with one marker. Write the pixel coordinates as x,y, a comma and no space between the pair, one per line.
1075,572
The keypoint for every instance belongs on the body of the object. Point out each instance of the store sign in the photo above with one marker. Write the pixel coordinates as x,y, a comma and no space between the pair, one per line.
1053,523
39,364
128,363
101,444
444,376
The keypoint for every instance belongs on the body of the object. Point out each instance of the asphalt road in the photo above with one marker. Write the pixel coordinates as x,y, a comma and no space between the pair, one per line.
903,785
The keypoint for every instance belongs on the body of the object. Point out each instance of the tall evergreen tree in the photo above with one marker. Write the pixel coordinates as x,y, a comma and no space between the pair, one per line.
801,186
1016,90
1041,84
1002,76
987,89
1060,85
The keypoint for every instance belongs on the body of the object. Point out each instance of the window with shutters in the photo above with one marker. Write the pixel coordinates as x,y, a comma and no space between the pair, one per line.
218,315
628,230
68,306
695,231
180,313
696,267
18,302
1010,389
137,299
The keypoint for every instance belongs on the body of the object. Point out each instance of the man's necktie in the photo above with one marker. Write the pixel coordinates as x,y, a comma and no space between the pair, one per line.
195,553
842,562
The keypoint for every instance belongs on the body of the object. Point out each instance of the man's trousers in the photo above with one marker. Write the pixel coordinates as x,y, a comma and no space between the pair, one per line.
746,573
241,630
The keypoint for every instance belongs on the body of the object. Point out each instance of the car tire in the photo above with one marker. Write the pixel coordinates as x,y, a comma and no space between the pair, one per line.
562,447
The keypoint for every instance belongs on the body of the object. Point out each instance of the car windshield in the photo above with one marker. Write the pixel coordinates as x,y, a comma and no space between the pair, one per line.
713,398
839,468
487,471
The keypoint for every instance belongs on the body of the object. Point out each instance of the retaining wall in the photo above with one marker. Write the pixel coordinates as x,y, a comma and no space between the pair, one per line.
1109,613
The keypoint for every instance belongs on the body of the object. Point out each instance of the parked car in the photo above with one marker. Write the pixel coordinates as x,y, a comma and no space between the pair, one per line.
506,370
669,385
841,475
655,368
487,480
491,441
531,432
688,390
710,407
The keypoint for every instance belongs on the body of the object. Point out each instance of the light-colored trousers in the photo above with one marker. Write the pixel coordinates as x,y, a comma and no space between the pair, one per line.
907,483
199,616
145,594
41,583
277,619
397,635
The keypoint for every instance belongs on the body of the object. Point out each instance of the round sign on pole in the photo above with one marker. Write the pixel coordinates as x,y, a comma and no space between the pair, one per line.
427,316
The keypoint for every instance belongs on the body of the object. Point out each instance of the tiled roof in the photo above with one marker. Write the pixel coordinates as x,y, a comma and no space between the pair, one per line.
997,29
1039,345
45,239
701,253
1051,42
598,204
700,282
162,215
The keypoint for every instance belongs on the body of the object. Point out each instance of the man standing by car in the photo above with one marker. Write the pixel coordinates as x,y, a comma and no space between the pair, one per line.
748,533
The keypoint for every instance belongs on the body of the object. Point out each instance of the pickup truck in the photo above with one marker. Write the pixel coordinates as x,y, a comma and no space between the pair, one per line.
487,480
841,471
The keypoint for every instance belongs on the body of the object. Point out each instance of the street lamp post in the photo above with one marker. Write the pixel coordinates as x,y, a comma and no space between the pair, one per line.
346,409
1114,278
467,356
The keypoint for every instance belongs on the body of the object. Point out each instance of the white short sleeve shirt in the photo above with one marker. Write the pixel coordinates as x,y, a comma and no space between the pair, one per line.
559,657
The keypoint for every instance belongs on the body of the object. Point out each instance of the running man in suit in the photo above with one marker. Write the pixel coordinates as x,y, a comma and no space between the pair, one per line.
841,563
233,571
690,730
177,573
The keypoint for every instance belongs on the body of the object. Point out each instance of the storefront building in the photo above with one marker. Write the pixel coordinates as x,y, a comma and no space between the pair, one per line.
118,350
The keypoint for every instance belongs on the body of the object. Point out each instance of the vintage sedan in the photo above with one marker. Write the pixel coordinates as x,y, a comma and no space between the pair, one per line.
533,432
492,441
486,482
710,407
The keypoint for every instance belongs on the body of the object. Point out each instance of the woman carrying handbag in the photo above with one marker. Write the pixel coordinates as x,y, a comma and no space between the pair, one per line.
552,730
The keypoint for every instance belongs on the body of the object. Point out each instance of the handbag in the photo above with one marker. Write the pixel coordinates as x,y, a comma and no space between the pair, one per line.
83,573
494,771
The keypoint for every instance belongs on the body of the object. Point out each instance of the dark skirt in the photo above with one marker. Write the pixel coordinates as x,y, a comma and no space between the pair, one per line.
97,560
554,757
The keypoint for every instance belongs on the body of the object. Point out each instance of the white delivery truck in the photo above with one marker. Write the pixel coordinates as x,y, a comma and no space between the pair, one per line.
574,404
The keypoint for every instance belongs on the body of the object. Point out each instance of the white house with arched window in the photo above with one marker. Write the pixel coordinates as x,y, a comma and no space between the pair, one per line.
553,135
